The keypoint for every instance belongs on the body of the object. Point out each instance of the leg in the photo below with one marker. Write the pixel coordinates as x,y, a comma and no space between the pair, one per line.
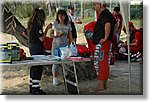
55,69
35,77
103,70
75,73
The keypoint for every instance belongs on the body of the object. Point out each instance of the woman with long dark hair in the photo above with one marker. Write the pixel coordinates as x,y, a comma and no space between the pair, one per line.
36,47
62,36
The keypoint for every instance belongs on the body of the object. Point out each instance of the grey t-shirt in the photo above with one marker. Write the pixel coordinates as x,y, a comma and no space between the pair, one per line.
61,40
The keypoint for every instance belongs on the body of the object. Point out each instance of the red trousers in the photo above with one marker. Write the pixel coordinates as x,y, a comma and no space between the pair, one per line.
103,70
135,49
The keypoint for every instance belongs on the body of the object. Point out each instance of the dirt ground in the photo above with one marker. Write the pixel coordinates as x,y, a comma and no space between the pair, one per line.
15,81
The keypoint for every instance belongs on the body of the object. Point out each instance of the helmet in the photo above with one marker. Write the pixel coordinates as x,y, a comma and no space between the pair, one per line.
88,34
122,50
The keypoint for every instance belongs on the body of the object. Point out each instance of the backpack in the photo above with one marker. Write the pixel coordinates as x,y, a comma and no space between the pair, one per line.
83,51
48,43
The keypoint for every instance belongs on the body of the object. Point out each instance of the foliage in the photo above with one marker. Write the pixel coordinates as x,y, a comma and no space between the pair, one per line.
23,11
136,12
89,13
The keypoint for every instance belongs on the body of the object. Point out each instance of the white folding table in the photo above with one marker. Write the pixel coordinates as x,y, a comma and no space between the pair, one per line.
30,63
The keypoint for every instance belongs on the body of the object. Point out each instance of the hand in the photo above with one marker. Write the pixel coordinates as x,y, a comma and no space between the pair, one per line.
60,33
102,41
24,34
52,35
73,42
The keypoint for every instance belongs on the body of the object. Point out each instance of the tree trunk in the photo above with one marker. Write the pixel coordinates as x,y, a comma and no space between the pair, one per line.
82,9
74,5
12,26
50,9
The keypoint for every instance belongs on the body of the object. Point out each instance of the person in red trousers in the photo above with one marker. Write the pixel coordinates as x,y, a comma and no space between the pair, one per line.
102,37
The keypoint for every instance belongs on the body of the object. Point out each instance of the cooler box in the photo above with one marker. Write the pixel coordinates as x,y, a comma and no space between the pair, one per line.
5,53
15,51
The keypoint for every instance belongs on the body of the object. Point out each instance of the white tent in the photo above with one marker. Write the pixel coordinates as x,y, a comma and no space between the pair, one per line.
125,9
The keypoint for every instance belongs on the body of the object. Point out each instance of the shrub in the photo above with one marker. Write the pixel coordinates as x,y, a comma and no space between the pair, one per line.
23,11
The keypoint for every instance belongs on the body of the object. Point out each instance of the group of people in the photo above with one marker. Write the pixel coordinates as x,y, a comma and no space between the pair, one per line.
120,47
63,33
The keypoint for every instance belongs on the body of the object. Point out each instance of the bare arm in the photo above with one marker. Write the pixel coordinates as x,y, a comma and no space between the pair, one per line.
41,38
47,28
45,32
25,35
107,32
78,21
70,37
115,28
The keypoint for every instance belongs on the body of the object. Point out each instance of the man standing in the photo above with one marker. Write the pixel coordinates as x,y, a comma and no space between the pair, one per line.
117,15
73,21
102,36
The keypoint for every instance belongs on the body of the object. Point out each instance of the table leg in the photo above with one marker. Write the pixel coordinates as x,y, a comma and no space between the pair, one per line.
69,81
64,77
75,73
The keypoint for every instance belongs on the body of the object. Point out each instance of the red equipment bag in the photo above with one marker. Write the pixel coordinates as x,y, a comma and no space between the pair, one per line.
22,54
83,50
90,26
48,43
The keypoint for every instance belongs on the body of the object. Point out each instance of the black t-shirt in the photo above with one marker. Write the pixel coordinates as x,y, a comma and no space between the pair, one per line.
35,33
36,45
99,30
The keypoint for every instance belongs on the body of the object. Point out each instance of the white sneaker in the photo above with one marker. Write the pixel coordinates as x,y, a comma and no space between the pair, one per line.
55,84
55,81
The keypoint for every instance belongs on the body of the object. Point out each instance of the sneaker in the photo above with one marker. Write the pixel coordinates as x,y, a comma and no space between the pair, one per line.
38,91
139,58
125,54
57,83
133,59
